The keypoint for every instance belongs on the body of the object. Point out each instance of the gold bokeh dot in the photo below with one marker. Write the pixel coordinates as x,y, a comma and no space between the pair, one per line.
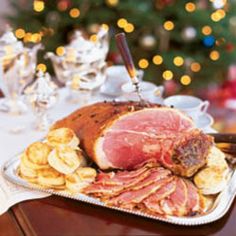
185,79
93,38
60,51
42,67
168,25
206,30
20,33
195,67
129,28
122,22
178,61
105,27
112,3
74,12
39,5
167,75
157,60
214,55
143,63
190,7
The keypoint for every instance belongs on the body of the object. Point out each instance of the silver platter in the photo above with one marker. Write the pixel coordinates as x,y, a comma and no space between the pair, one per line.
218,210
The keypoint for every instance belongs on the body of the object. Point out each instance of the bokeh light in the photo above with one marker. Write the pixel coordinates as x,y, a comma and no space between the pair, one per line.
206,30
129,28
195,67
168,25
178,61
143,63
214,55
60,51
157,60
74,12
167,75
122,22
42,67
20,33
190,7
185,79
39,5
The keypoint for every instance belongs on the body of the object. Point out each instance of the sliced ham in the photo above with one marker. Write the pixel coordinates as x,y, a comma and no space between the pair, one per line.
130,199
176,203
152,203
193,202
124,135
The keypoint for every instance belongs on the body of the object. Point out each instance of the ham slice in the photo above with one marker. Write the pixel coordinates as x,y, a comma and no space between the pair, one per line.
126,134
176,203
130,199
152,203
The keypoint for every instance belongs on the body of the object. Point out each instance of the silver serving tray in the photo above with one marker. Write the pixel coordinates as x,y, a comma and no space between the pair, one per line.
221,205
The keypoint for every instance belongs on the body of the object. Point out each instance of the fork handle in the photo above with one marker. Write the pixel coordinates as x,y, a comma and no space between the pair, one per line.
224,137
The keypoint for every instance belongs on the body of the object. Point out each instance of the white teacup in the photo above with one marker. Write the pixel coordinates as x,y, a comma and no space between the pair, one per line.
116,77
191,105
149,91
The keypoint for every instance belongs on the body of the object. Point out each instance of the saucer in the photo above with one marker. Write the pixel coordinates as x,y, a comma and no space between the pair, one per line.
204,121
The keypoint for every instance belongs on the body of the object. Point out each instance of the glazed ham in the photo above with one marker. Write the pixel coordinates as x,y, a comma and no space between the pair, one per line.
124,135
156,191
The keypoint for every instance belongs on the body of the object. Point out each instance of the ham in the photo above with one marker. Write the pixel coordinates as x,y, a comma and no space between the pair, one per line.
155,191
123,135
152,203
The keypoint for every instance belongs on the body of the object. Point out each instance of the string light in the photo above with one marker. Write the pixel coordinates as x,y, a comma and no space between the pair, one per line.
167,75
157,60
39,5
129,28
195,67
206,30
42,67
112,3
218,15
20,33
122,22
168,25
178,61
214,55
105,27
143,63
93,38
35,38
190,7
60,51
74,12
185,79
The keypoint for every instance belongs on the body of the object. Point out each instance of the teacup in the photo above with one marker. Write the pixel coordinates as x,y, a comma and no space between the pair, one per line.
116,77
191,105
149,91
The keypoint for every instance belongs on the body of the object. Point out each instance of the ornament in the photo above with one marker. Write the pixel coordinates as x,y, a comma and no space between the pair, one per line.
148,41
41,96
53,19
209,41
229,47
189,33
160,4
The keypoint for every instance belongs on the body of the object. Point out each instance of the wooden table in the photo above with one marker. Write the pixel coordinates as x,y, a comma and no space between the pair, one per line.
59,216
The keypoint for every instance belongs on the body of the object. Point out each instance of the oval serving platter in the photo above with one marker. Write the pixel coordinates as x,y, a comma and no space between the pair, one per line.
221,205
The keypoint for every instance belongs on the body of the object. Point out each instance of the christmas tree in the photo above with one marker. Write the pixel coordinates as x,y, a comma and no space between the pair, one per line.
188,42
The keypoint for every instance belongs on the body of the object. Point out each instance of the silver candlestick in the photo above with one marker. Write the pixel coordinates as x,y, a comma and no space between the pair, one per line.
41,96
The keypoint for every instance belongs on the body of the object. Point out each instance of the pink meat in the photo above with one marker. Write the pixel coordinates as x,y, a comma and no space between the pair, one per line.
152,203
176,203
